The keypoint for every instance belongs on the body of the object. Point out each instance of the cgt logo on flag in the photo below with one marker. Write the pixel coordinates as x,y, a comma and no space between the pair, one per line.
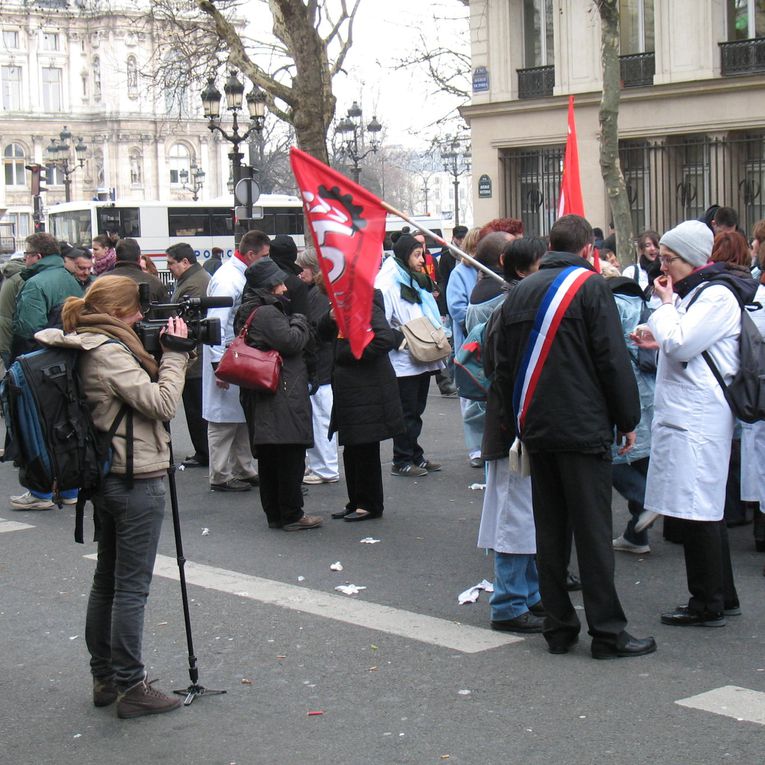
347,225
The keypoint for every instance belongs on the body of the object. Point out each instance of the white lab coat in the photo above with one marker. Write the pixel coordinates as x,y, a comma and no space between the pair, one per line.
692,422
507,519
220,405
398,312
753,436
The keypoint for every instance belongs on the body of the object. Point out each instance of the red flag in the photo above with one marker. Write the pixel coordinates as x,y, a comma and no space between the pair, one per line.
348,226
570,201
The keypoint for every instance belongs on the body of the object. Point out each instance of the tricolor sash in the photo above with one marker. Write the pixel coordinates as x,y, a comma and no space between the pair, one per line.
549,316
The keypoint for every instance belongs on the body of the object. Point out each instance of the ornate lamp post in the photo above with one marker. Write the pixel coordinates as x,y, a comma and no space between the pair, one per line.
197,180
256,106
353,130
59,156
456,161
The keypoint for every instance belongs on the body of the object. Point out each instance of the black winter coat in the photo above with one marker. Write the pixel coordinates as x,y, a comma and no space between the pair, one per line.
318,306
283,417
366,405
587,386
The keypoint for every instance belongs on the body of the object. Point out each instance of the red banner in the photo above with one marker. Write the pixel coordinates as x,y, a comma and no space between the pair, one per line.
348,227
570,201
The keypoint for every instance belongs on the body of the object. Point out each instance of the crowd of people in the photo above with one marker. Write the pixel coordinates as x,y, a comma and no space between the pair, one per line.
595,382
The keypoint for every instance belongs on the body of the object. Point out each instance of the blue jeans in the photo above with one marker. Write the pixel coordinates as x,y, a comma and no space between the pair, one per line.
65,494
629,480
130,521
516,585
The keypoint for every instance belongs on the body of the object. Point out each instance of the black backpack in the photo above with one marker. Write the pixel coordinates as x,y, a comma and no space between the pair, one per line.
745,393
51,437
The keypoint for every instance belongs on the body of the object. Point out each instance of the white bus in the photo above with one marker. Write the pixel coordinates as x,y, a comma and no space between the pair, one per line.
157,225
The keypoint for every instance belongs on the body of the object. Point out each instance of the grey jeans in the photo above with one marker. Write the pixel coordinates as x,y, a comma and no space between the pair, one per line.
130,522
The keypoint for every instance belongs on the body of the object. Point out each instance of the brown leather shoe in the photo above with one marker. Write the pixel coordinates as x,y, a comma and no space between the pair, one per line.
306,522
104,691
141,699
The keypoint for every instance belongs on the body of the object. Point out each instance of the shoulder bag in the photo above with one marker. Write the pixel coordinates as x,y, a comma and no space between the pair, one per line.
249,367
425,342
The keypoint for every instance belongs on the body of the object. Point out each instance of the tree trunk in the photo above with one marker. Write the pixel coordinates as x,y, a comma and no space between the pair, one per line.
610,168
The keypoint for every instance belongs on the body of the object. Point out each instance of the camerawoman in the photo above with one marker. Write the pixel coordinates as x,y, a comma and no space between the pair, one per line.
120,375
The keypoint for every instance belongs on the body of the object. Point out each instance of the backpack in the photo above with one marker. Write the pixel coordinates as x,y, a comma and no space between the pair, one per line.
51,435
469,375
745,393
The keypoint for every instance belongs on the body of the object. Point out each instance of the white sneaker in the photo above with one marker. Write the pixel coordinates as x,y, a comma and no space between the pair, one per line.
620,543
645,519
69,500
313,479
28,502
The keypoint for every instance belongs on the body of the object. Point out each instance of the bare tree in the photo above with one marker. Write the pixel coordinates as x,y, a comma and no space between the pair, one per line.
610,167
300,91
295,67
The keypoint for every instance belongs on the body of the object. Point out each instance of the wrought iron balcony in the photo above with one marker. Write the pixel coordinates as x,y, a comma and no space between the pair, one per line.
637,69
536,82
742,57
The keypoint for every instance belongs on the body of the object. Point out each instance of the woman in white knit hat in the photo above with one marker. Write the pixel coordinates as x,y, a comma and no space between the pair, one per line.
692,423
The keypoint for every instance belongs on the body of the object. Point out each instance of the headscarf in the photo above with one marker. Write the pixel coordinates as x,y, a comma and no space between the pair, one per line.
416,287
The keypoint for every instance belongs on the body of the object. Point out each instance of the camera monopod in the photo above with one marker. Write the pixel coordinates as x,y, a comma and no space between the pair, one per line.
195,689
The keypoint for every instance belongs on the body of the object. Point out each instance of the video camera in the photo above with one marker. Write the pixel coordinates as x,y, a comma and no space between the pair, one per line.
202,331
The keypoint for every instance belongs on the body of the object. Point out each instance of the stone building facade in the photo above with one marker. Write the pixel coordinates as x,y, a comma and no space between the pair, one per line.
691,121
82,64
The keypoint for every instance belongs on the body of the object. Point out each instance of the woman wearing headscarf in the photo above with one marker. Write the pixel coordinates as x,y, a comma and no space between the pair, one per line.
408,294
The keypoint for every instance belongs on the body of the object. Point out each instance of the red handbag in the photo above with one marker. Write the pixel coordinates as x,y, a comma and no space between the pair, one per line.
248,367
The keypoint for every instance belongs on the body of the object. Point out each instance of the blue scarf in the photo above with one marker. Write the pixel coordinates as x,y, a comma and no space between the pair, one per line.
426,299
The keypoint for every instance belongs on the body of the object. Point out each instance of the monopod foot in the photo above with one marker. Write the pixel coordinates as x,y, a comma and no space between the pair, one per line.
195,690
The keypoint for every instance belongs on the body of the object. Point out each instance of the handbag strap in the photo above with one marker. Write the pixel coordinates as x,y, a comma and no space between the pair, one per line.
243,330
546,324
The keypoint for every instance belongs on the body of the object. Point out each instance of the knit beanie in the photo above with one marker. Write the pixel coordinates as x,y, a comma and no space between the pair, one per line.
404,246
692,241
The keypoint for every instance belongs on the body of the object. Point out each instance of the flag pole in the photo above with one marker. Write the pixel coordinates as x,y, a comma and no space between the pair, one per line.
453,247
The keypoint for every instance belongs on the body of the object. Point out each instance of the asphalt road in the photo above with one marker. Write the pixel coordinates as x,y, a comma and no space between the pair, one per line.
400,672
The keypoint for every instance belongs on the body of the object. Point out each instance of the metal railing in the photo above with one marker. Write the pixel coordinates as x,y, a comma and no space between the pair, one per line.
742,57
637,69
536,82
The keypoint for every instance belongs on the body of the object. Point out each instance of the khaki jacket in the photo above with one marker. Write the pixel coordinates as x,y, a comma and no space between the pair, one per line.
111,376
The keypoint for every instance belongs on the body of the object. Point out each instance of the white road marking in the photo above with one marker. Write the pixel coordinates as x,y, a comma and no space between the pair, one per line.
730,701
362,613
13,526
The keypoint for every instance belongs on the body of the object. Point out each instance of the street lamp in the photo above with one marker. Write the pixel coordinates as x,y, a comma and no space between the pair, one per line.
352,128
234,91
59,156
456,161
197,180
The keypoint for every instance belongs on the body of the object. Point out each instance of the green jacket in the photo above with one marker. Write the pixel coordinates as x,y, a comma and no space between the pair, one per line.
48,284
9,292
192,284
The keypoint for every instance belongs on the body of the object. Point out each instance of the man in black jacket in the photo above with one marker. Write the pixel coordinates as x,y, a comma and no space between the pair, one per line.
585,390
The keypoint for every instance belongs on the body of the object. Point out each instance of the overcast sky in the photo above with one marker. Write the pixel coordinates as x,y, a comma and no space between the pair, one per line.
385,31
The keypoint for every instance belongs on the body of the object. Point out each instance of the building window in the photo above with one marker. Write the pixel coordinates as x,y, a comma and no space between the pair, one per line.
636,26
10,84
538,33
746,19
21,223
132,77
51,89
13,163
50,41
97,78
180,159
136,168
10,39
